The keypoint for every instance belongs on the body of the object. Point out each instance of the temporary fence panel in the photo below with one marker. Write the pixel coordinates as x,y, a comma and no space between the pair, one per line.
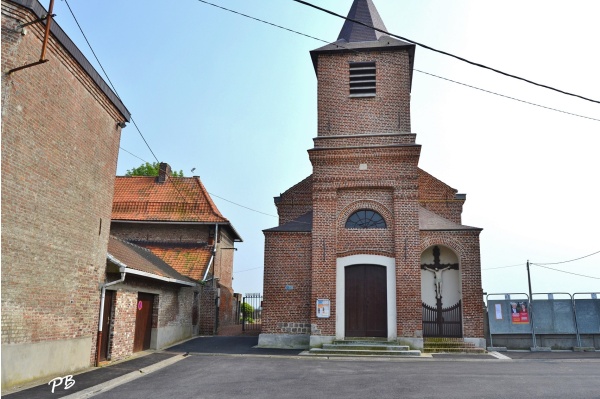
500,314
553,316
588,315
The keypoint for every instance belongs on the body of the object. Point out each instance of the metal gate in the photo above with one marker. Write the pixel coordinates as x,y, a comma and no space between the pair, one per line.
440,322
251,312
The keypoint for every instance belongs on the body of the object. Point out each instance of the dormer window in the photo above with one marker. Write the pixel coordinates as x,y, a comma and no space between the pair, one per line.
362,79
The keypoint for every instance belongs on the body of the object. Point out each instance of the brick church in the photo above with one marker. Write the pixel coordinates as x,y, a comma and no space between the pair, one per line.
369,245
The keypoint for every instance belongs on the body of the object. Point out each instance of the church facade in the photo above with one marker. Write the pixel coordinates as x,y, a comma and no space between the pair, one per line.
369,245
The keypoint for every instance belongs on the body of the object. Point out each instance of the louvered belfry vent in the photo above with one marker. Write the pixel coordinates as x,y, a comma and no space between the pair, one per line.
362,79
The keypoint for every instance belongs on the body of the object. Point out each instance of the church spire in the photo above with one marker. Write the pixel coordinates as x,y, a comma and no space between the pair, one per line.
363,11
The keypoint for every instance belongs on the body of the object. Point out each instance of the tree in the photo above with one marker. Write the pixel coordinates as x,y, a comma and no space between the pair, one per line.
150,169
248,312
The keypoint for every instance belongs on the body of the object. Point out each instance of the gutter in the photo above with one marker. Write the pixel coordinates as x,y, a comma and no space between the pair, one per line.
214,252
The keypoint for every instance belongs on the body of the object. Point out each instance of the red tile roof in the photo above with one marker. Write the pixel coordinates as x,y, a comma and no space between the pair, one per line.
141,259
190,262
180,199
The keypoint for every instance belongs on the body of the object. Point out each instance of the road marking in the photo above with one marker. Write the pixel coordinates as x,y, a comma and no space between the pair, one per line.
499,355
108,385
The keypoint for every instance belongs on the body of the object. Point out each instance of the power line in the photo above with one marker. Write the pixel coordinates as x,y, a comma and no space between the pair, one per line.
505,96
565,261
242,206
132,154
353,50
247,270
564,271
445,53
503,267
107,78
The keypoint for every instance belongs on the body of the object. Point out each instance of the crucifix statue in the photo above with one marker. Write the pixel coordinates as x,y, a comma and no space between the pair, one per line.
438,269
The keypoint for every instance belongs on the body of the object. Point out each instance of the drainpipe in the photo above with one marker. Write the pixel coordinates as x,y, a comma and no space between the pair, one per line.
99,340
213,254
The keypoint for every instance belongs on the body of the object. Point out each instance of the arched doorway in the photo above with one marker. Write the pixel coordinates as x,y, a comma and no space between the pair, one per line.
365,301
441,293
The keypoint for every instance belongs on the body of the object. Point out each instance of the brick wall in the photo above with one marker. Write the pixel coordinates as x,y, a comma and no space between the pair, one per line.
168,233
60,143
287,263
295,202
439,197
173,306
388,112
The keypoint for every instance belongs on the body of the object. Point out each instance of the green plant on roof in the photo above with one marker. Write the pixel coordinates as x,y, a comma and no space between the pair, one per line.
150,169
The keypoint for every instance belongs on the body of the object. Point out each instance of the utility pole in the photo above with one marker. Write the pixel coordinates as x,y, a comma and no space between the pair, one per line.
531,307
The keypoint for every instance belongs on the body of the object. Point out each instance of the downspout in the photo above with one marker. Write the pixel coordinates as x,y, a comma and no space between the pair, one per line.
212,255
99,339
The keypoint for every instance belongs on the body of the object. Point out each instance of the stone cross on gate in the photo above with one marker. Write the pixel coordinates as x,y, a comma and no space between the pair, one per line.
437,269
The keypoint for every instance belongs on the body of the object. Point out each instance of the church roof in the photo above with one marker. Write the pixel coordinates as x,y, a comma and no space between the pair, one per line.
301,224
355,36
427,221
432,221
362,12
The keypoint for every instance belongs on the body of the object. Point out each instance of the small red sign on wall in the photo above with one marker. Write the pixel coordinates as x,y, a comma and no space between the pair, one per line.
140,305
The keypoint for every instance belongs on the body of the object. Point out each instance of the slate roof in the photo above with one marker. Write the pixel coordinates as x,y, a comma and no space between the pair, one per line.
432,221
135,257
362,11
179,199
354,36
427,221
301,224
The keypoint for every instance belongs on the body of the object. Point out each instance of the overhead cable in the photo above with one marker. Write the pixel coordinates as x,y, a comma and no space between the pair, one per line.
564,261
445,53
564,271
423,72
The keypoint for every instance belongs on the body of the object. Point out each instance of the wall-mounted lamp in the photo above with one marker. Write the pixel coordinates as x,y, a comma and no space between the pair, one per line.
121,124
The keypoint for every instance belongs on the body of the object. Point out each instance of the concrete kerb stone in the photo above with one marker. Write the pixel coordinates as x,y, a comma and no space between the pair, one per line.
108,385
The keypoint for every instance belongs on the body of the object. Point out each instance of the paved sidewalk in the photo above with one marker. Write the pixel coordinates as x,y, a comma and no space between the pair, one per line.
92,378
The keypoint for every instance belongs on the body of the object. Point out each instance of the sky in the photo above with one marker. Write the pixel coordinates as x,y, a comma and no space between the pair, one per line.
235,99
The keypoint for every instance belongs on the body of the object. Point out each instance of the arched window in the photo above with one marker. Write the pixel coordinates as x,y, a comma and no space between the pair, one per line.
365,219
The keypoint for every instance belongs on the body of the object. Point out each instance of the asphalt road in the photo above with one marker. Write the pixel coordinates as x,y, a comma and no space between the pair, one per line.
249,376
232,367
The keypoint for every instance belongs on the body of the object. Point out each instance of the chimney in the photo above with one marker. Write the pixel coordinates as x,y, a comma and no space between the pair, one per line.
164,172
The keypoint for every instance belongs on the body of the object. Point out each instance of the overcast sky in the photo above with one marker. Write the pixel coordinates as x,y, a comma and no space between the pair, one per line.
236,99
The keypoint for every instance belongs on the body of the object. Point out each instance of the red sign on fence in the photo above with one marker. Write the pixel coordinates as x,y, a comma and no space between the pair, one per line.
519,313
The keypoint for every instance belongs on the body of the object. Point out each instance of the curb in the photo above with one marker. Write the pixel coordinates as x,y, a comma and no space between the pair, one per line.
108,385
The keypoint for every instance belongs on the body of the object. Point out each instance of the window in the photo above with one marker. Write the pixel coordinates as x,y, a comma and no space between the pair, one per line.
362,79
365,219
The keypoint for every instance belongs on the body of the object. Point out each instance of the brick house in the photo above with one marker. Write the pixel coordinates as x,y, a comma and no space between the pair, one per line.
176,219
369,245
61,128
146,303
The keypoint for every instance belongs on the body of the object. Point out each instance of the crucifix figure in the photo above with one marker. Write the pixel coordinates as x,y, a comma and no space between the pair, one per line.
438,269
438,279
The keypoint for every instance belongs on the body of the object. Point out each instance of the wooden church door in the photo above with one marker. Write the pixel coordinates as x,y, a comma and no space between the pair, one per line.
365,301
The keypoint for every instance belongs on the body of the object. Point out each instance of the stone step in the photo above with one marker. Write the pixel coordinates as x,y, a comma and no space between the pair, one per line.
448,345
437,340
358,352
454,350
365,346
356,341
